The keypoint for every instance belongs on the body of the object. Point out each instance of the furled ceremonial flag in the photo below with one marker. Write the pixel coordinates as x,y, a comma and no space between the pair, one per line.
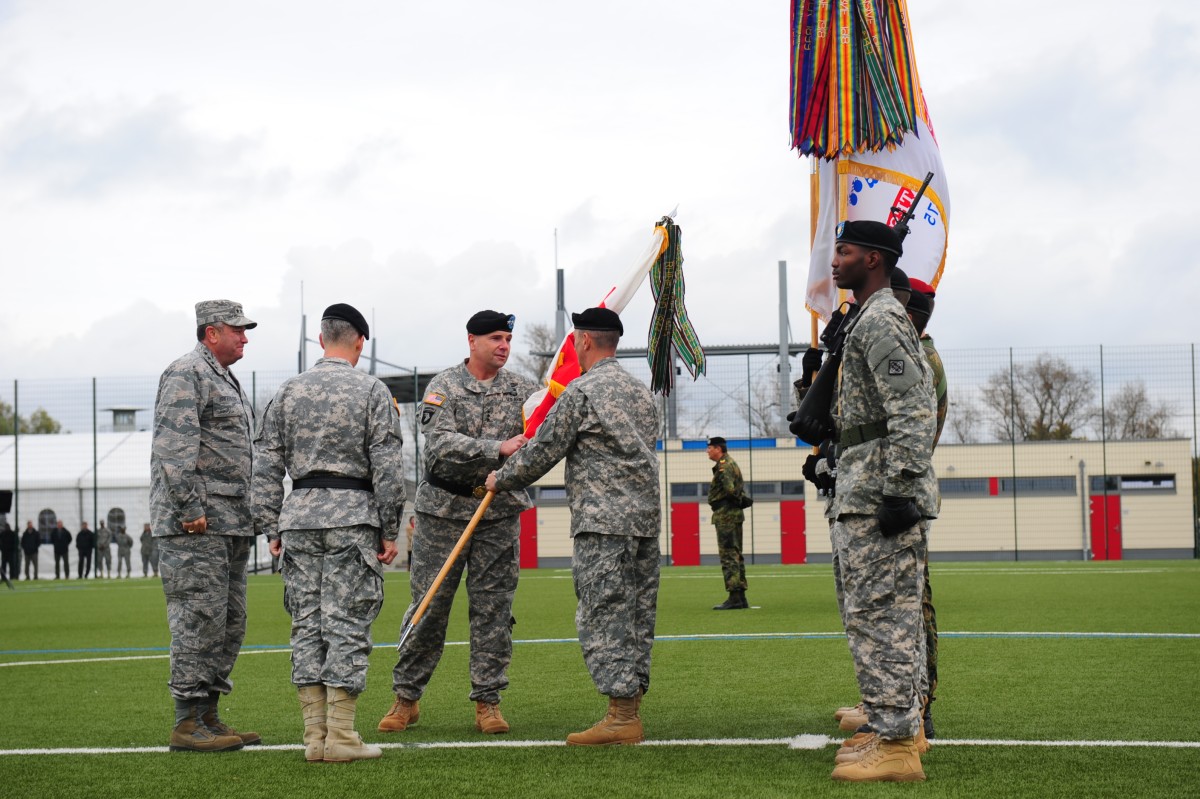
670,328
566,365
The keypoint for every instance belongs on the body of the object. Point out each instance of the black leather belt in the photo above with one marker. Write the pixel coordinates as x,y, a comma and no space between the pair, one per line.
460,489
333,481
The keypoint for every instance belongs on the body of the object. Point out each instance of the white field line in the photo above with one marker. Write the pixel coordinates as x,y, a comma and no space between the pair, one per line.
661,639
811,742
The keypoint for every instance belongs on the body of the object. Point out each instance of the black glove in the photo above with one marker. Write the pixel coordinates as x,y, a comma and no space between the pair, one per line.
811,361
823,481
896,515
809,430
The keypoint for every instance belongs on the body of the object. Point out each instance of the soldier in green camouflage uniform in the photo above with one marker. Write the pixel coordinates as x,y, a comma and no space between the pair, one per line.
336,432
472,420
886,489
200,465
605,425
724,495
920,309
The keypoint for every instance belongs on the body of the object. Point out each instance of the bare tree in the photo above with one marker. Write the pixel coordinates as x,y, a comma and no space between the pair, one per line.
761,408
1132,414
542,350
1047,400
964,421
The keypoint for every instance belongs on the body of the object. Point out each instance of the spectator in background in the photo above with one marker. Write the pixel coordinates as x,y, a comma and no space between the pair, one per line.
149,551
60,538
10,551
85,542
104,551
30,541
124,550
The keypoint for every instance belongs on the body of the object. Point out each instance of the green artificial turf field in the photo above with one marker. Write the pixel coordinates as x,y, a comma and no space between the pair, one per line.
1059,653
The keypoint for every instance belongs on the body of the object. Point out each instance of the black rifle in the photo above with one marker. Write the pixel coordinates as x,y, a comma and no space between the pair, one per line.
813,422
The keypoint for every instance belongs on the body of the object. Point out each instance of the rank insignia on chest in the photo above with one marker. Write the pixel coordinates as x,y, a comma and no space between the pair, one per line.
895,367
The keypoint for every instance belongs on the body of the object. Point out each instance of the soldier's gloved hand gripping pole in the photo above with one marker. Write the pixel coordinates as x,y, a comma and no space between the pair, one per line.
441,575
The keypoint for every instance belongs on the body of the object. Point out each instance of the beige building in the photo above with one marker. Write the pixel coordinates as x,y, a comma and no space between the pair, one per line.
1060,506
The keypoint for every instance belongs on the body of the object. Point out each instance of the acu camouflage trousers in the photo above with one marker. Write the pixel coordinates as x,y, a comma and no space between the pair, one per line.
492,566
333,589
881,580
204,579
616,583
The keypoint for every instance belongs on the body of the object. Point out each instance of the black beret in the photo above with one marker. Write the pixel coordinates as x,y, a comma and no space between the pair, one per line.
870,234
900,280
598,319
486,322
918,303
348,313
717,441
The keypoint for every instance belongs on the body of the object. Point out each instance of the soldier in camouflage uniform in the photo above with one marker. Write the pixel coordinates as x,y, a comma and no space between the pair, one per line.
124,551
200,465
149,550
920,309
472,421
605,425
724,495
335,430
886,489
104,537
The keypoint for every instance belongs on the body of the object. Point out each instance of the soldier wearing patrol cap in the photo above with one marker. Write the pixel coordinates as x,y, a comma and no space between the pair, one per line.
886,490
472,420
335,430
724,497
200,464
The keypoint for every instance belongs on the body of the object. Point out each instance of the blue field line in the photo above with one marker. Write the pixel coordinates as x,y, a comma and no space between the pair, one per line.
661,638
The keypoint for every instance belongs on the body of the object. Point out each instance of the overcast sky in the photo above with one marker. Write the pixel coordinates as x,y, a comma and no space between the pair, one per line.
415,158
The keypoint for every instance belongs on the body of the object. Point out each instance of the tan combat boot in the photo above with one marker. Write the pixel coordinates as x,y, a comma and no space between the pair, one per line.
342,743
854,746
192,735
849,722
312,707
620,725
841,711
488,719
213,721
887,761
403,714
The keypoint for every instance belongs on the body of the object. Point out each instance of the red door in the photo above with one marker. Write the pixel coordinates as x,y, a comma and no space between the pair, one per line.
685,534
529,558
793,543
1106,526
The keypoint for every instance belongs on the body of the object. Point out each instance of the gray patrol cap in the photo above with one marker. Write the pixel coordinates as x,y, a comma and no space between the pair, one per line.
212,311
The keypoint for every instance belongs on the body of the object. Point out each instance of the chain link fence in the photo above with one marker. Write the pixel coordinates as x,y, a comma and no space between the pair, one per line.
1046,452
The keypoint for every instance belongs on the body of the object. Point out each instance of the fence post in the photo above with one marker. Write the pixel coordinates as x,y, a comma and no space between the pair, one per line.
16,458
1012,433
750,447
1103,443
1195,471
95,463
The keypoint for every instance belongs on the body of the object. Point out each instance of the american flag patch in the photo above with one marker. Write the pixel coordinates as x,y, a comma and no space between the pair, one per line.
433,398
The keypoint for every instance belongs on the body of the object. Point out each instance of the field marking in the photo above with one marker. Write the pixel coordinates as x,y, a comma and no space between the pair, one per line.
163,653
806,742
